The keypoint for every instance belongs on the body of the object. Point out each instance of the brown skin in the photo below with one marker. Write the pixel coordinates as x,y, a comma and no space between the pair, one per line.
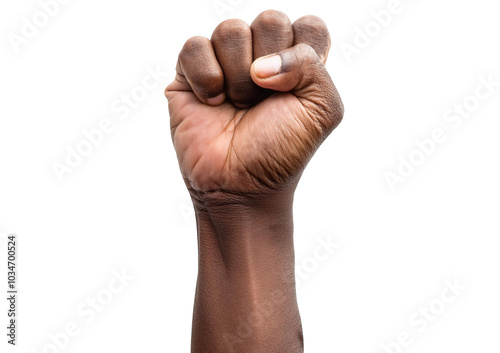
243,141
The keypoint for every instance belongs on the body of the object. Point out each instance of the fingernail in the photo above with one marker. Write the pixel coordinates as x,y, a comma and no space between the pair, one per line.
267,66
217,100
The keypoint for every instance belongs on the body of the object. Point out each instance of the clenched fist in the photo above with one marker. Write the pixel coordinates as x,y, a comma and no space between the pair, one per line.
248,109
250,106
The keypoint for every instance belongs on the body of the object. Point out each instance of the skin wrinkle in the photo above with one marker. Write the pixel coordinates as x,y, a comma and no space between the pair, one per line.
273,179
227,162
231,150
214,249
254,176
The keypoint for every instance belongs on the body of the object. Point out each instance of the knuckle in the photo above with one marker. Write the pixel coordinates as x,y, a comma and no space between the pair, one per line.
230,29
312,23
313,30
193,45
271,19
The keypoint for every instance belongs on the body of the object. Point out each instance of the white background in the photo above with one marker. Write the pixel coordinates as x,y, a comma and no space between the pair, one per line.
125,206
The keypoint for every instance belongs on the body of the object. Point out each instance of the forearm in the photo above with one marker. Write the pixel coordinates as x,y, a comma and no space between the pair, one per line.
245,297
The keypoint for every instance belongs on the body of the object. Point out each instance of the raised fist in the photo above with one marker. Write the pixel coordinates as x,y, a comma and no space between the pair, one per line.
250,106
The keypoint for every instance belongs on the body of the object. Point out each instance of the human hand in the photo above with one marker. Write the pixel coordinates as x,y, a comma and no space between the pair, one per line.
244,124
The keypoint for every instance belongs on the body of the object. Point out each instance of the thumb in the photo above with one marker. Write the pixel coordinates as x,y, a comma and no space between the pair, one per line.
301,71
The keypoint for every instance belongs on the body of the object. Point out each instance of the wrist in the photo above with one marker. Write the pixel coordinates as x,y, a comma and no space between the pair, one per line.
244,230
246,272
247,240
